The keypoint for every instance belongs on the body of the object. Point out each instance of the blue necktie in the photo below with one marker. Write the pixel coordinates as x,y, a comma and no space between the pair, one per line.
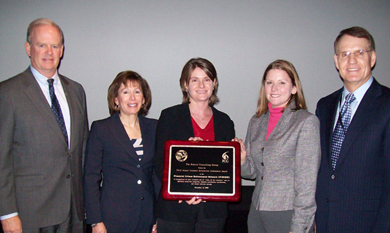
341,128
56,108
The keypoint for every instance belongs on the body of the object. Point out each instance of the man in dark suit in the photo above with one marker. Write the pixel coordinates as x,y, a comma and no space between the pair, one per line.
353,187
43,130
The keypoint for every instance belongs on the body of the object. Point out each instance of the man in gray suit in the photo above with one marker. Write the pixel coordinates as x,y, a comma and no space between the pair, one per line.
43,130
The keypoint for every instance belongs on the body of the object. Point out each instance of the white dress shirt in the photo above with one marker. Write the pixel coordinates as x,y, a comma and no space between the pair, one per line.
358,93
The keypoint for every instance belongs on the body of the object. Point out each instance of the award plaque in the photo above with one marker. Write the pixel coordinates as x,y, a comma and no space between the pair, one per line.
207,170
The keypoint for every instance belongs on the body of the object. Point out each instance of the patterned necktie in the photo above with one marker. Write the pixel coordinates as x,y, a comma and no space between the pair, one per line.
56,108
341,128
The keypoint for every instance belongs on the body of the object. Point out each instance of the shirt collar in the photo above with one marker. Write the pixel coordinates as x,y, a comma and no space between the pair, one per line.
42,79
358,93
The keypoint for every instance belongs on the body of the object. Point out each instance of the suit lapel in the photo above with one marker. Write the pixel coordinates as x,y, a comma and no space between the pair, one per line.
217,125
331,117
363,114
259,136
119,133
74,110
35,95
262,134
186,121
146,137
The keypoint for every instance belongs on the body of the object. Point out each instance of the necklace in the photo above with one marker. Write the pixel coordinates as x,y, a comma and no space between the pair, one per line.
125,123
202,119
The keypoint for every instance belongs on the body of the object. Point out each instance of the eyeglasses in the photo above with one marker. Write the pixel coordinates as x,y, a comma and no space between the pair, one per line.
358,54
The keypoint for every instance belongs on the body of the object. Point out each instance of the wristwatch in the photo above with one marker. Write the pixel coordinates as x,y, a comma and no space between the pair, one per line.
94,224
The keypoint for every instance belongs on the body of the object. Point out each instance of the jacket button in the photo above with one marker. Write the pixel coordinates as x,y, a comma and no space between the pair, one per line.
262,149
138,166
142,198
139,182
261,178
67,176
333,177
327,199
262,164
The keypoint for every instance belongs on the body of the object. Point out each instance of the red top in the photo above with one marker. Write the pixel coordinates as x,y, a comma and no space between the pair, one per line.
207,134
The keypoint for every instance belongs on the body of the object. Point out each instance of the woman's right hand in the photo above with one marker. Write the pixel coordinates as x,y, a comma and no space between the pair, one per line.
100,228
243,149
195,139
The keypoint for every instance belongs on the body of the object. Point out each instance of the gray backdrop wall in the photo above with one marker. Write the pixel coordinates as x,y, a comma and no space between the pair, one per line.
156,39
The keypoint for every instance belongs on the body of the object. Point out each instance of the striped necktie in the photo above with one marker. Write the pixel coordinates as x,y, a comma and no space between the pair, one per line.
56,108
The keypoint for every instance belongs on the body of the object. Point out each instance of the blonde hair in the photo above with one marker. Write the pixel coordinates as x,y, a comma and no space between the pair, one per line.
262,103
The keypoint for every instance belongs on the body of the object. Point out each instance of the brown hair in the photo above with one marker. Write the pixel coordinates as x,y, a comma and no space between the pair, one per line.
124,78
262,103
210,71
40,22
358,32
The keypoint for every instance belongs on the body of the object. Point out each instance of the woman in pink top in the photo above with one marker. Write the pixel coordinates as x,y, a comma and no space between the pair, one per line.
282,154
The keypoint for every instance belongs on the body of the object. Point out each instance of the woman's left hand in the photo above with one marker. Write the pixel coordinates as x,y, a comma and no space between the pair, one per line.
193,201
154,228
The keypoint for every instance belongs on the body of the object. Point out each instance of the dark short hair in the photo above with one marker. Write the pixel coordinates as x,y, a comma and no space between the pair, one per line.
40,22
210,71
358,32
124,78
288,67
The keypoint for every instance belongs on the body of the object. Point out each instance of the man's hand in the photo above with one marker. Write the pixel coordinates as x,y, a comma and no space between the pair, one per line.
12,225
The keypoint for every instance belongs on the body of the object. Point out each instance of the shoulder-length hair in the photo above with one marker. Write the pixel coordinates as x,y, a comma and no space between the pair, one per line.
210,71
126,77
300,103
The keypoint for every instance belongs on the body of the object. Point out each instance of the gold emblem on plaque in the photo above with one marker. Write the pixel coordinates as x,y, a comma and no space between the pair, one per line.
225,157
181,155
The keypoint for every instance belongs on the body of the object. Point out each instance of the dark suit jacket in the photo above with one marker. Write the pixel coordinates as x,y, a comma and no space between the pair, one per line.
39,174
128,194
175,124
355,197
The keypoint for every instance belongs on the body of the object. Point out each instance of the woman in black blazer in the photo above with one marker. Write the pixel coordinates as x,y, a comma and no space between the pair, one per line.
120,185
194,119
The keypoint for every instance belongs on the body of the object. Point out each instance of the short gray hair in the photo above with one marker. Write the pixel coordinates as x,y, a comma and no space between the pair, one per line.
40,22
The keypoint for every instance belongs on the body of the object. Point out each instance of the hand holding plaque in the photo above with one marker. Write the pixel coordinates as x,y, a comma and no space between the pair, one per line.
202,169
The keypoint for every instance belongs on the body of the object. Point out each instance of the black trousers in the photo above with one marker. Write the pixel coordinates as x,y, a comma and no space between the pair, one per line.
199,224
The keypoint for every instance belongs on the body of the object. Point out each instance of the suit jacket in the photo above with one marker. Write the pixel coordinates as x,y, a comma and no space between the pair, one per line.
355,197
175,124
285,166
127,195
39,174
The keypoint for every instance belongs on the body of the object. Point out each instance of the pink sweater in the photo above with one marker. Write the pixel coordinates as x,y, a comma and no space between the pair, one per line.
274,116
